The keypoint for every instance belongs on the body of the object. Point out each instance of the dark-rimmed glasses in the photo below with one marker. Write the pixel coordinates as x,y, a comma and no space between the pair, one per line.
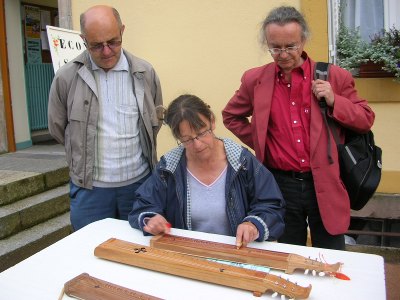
191,140
110,44
99,47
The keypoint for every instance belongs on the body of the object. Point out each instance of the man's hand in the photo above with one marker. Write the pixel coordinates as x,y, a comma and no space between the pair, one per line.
322,89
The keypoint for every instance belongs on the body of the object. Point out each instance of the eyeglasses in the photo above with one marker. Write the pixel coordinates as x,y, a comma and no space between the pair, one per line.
279,51
99,47
190,141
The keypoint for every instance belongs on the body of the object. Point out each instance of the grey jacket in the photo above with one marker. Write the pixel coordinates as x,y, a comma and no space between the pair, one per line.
74,108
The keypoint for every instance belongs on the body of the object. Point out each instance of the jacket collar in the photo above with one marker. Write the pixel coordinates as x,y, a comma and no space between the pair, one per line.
232,149
134,62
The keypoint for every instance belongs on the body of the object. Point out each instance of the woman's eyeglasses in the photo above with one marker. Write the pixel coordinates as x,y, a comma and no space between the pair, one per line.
198,137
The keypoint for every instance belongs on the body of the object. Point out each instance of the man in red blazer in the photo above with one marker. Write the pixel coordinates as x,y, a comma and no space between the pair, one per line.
276,112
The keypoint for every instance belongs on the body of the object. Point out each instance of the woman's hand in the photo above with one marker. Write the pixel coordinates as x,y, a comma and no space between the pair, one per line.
156,225
246,233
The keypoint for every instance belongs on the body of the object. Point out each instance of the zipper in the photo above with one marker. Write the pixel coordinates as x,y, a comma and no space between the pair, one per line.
86,142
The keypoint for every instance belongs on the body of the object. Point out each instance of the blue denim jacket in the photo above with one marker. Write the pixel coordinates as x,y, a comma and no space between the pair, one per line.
251,191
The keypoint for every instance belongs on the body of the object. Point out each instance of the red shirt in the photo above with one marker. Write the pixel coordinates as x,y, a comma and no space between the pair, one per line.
288,138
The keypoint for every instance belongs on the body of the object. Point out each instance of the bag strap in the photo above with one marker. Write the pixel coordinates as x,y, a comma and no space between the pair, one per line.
322,72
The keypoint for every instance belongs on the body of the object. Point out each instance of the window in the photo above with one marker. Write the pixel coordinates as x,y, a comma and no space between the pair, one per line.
368,16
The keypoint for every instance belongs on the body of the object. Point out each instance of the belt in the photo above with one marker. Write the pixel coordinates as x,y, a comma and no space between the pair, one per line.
293,174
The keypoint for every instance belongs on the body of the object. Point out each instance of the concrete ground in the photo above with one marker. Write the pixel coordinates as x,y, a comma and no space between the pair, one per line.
28,162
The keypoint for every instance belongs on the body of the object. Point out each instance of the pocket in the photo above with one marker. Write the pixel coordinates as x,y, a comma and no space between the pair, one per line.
128,116
77,112
73,190
127,110
74,135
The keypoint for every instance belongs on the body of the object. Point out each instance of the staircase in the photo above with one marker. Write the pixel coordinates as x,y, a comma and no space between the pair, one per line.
34,202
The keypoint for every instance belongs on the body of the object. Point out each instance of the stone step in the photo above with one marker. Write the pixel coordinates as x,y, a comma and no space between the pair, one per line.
33,210
26,243
25,174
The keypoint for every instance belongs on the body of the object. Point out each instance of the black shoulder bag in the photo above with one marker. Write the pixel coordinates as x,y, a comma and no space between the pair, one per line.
360,159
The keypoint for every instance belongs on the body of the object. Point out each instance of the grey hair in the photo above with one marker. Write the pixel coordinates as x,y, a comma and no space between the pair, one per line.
82,19
283,15
187,108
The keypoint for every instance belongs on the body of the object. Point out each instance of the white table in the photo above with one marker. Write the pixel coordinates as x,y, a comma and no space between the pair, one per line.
42,276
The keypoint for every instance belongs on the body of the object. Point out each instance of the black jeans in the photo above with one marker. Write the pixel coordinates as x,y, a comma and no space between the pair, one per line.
302,211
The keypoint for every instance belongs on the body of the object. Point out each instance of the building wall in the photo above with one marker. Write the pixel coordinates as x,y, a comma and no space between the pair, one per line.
203,47
198,47
3,133
16,70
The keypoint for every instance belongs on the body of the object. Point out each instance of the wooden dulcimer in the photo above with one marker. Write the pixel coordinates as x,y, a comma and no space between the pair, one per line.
183,265
88,287
287,262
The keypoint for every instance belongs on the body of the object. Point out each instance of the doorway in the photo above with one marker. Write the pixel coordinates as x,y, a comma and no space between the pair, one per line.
38,66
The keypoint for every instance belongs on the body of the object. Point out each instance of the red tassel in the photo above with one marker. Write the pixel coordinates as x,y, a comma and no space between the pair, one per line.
341,276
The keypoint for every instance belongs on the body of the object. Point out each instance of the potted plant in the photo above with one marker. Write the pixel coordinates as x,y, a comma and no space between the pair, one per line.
385,51
350,49
379,58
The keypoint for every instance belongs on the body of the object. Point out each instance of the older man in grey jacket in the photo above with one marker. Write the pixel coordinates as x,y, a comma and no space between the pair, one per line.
105,107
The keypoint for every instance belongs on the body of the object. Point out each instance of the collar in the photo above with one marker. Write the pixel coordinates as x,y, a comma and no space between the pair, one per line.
303,69
232,149
122,64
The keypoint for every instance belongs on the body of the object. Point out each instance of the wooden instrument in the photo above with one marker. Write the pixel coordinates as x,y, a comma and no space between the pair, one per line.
197,268
287,262
88,287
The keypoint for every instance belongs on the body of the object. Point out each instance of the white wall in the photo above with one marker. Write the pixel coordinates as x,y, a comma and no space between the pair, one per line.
16,69
3,133
200,47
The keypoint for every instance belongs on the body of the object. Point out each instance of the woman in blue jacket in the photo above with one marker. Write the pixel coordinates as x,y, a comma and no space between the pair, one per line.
208,184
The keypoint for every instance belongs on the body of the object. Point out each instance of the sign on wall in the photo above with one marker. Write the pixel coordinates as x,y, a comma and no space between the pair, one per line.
33,51
32,22
64,44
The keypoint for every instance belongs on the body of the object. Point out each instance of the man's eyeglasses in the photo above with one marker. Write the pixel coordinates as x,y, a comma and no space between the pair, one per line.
279,51
99,47
198,137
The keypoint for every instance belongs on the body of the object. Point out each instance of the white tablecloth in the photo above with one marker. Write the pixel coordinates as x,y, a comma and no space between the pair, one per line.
42,276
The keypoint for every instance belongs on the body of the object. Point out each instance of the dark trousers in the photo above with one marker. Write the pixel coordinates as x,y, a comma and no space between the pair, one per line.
302,211
88,206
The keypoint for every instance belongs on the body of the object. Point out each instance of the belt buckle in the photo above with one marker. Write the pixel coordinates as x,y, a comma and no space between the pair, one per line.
297,178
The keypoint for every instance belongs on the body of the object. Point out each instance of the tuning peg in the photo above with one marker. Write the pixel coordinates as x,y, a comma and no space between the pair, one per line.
283,297
274,295
306,271
321,274
314,272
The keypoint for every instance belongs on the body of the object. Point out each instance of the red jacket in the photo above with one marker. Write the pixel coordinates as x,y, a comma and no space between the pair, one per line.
253,99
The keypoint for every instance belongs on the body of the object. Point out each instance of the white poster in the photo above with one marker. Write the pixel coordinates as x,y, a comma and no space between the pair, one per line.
33,51
64,45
